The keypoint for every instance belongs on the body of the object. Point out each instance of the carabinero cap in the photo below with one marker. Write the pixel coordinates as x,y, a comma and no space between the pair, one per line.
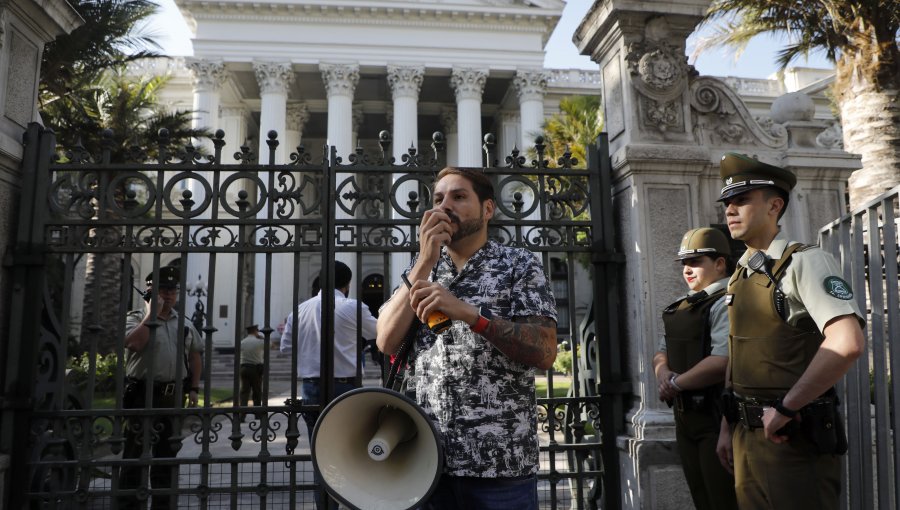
703,241
169,277
741,173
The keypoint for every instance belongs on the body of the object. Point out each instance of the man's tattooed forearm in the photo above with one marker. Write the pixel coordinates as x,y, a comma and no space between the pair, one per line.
530,340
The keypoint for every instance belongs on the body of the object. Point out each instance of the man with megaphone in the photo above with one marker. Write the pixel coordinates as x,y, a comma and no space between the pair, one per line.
475,379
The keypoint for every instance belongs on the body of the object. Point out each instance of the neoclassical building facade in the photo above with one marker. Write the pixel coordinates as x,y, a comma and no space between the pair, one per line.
340,72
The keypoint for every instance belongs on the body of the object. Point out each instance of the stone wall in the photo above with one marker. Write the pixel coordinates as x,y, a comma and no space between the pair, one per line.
668,130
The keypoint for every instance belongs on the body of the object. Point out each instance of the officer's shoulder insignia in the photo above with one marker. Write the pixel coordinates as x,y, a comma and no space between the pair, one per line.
838,288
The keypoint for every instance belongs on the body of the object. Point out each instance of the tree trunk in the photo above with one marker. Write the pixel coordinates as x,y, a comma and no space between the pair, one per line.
100,319
871,122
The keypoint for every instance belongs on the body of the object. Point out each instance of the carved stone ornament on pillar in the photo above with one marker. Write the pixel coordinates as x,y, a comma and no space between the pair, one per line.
273,77
340,79
468,83
660,73
297,116
207,74
531,85
721,119
405,81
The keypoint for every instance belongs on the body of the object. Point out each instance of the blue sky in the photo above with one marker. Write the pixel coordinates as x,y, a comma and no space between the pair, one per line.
757,61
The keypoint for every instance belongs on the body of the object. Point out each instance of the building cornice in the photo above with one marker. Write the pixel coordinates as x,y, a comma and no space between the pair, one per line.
502,18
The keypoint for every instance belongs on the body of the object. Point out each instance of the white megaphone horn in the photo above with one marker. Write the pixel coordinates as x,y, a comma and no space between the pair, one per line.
376,449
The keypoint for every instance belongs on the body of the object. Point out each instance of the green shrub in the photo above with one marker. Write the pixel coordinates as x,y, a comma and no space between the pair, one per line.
104,372
563,363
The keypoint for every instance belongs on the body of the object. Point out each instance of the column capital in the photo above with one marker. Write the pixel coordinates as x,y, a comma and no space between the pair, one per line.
274,77
206,74
297,116
448,119
531,85
340,79
405,81
468,82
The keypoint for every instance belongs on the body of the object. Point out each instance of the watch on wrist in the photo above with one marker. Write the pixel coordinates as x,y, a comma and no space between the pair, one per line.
484,319
779,406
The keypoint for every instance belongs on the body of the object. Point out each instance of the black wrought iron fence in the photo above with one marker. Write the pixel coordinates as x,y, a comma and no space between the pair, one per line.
91,228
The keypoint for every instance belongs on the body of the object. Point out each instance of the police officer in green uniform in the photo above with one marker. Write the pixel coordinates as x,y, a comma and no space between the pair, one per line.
690,365
795,332
150,371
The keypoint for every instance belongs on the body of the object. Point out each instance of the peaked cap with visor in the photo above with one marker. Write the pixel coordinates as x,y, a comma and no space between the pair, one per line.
703,241
741,173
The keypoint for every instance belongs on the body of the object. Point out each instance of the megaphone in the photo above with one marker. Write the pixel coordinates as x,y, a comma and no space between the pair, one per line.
374,449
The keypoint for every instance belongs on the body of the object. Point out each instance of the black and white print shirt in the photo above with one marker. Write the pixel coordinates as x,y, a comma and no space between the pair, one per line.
482,402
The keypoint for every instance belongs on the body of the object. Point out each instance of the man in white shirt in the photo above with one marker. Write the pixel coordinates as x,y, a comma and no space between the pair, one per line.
307,337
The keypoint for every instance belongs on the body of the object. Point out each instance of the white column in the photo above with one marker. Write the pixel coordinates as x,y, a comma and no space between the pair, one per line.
207,77
469,85
531,87
234,121
509,135
448,123
297,117
340,85
274,82
405,83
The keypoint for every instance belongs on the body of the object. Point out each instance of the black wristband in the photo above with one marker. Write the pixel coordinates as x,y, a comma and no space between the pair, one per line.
779,406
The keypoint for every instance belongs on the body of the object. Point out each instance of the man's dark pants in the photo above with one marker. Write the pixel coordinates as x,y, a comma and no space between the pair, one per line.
251,382
131,477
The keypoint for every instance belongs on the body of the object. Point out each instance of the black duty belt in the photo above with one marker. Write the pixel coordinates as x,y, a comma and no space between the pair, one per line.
690,401
166,388
342,380
750,410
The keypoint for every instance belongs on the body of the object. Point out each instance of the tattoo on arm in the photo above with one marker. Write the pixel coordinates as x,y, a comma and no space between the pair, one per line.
529,340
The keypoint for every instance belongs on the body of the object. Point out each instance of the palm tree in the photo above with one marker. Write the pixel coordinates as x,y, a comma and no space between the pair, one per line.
861,38
83,92
577,126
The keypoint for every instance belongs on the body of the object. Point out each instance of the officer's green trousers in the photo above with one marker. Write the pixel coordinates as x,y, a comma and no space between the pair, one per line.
712,488
786,476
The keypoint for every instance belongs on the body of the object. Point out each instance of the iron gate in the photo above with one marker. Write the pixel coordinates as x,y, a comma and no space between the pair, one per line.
866,242
266,223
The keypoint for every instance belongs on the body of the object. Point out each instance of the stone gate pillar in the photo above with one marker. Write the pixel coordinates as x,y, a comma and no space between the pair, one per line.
668,129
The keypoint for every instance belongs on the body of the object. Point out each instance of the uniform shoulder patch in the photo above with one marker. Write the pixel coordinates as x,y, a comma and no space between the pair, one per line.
838,288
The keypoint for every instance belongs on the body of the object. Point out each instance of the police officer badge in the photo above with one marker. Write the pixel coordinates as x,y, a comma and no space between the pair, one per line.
838,288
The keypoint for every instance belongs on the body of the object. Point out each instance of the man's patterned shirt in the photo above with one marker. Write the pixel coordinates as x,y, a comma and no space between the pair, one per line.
482,402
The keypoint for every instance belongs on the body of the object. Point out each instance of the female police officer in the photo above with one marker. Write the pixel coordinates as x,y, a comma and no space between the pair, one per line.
691,362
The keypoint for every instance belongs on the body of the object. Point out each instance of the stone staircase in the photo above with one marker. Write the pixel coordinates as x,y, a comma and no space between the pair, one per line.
279,370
